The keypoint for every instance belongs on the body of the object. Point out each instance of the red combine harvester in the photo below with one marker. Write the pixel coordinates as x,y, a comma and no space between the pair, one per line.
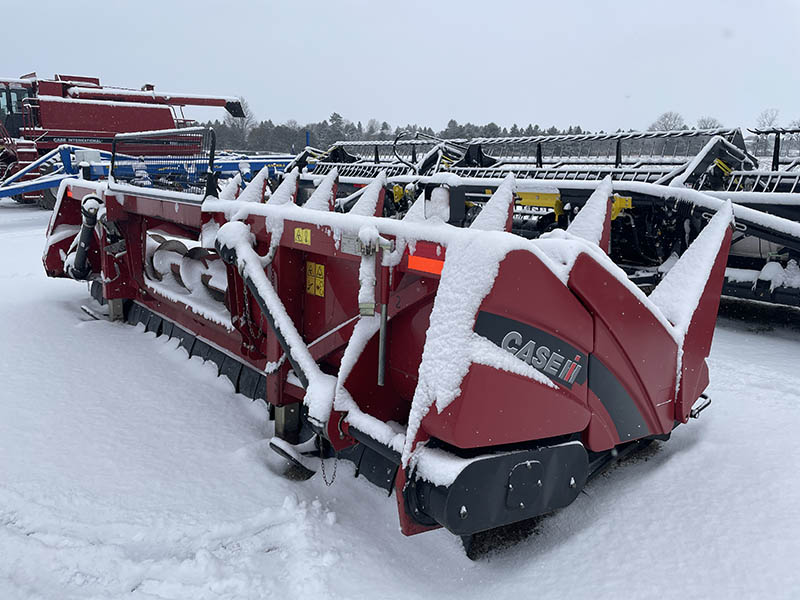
481,376
38,115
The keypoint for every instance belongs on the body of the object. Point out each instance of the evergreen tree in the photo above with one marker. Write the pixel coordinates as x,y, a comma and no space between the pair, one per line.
266,136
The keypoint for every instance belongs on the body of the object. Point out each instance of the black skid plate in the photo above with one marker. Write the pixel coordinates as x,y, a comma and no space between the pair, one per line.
501,489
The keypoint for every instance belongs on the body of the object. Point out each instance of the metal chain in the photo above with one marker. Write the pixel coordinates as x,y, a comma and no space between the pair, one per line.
247,316
322,463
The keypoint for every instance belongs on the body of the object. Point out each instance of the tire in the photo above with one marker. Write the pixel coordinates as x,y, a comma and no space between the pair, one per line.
48,199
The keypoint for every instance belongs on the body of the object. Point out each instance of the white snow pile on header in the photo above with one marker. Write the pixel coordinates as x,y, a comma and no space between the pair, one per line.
230,187
451,346
368,201
494,215
678,294
445,356
321,198
256,190
286,190
588,224
416,213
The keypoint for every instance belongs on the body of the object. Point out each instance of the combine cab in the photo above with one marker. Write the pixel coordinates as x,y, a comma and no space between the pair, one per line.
39,115
480,376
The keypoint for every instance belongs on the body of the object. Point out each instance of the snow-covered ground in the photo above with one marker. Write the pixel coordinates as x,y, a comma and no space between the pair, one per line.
128,470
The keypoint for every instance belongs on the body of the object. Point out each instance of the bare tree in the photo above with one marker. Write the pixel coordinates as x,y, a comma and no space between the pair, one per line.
668,121
372,127
709,123
768,118
240,127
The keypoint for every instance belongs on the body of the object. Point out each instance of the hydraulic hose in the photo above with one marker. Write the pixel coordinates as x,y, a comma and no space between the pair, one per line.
80,267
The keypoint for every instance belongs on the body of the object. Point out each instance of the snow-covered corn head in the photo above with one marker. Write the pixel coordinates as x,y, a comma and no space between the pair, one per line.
480,376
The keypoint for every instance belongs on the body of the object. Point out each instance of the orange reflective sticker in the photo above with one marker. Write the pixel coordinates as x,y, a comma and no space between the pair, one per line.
426,265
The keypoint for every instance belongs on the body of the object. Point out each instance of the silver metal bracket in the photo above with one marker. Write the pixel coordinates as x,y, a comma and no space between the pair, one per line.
696,410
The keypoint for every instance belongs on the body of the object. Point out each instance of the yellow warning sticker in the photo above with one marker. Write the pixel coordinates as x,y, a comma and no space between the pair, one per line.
302,236
315,279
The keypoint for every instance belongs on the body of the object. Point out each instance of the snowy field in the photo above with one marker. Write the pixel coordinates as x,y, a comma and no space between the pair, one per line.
129,471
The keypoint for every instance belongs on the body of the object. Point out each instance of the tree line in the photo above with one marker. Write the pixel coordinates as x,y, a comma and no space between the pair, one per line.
248,134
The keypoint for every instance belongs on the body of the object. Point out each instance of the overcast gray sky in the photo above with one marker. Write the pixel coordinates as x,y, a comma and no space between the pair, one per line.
601,65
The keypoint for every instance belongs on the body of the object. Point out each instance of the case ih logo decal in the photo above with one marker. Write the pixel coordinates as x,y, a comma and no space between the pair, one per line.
560,361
